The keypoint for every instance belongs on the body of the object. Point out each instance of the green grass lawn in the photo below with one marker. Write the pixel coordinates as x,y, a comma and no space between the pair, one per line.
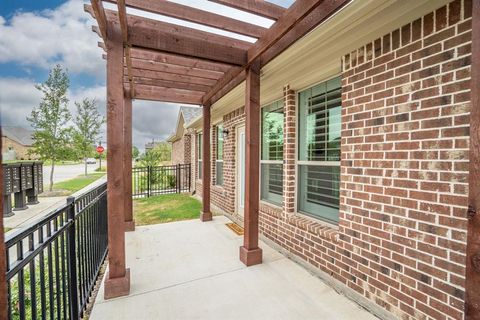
6,229
165,208
73,185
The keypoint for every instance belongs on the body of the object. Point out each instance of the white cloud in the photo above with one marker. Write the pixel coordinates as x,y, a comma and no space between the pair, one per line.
151,120
62,35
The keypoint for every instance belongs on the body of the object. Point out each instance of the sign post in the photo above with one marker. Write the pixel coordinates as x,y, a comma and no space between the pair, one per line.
100,150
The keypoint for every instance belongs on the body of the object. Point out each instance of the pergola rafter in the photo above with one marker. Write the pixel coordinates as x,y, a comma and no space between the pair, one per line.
172,63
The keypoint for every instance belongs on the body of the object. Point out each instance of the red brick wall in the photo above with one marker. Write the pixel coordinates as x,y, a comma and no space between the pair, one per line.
223,197
400,242
405,150
178,151
181,150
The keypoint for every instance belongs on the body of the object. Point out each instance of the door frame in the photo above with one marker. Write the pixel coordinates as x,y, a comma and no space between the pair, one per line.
239,210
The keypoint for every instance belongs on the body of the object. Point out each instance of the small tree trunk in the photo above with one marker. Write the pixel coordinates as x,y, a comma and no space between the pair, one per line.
86,167
51,175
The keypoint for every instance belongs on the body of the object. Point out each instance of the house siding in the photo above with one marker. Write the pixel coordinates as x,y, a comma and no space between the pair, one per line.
401,238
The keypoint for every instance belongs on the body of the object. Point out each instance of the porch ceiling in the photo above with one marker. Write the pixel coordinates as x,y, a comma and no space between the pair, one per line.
166,61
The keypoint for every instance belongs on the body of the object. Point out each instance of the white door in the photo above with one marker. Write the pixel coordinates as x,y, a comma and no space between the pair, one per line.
240,170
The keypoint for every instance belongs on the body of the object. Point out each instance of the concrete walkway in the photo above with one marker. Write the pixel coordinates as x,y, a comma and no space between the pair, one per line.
190,270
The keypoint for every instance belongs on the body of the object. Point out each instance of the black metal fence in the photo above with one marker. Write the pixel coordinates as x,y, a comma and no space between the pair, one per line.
150,181
52,266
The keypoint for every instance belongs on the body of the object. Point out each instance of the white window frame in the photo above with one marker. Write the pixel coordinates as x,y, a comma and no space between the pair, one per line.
271,161
299,163
216,153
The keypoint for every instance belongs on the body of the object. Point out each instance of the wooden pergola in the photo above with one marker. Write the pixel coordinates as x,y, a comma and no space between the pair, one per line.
153,60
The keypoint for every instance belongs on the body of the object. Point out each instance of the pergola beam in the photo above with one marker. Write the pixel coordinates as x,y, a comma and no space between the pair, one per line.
147,24
303,16
99,14
170,84
171,77
175,69
179,60
258,7
145,92
179,11
122,16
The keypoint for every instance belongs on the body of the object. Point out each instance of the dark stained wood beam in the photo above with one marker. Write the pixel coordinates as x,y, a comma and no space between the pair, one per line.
170,84
127,162
117,280
206,214
99,14
175,69
258,7
161,36
102,45
472,276
174,59
160,26
191,14
122,16
302,17
171,77
250,253
310,22
145,92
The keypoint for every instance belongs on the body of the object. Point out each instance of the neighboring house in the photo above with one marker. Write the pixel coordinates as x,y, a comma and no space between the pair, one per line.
16,142
181,139
364,154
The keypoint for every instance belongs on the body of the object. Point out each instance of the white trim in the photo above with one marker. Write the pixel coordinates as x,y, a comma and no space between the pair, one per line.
318,163
272,161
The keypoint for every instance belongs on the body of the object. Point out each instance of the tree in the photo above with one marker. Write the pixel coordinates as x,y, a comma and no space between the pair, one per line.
87,128
160,153
51,135
135,152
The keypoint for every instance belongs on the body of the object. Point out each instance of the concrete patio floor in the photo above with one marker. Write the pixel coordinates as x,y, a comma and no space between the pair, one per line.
191,270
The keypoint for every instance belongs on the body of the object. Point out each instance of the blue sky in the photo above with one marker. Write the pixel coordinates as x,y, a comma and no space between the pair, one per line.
37,34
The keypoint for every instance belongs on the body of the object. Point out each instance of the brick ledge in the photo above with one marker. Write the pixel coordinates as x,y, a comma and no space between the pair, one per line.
302,222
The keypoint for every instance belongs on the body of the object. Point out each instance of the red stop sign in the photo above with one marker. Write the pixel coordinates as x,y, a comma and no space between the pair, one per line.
100,149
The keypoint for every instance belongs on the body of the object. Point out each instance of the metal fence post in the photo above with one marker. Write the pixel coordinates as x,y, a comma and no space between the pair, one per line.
179,180
148,181
72,262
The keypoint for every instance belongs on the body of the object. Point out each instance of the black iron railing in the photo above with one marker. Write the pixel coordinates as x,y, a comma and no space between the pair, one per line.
52,265
150,181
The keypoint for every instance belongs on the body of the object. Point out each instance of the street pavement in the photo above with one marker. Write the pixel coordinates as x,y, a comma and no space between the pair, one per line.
65,172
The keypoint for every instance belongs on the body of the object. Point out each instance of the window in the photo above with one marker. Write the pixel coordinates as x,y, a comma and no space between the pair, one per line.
319,150
219,160
272,153
199,143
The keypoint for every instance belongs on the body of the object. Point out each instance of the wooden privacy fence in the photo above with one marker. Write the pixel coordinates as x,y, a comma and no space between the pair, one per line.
156,180
53,264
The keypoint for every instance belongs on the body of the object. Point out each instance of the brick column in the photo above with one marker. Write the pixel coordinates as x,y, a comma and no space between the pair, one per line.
127,163
206,214
250,253
117,281
289,140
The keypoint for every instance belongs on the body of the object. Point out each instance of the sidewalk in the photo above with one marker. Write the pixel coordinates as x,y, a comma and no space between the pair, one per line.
47,204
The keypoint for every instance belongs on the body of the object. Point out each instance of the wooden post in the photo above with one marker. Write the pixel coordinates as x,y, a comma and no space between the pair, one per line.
3,257
250,253
117,281
127,173
472,277
206,214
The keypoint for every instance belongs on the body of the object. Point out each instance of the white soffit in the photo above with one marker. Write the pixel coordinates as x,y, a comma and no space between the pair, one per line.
317,56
